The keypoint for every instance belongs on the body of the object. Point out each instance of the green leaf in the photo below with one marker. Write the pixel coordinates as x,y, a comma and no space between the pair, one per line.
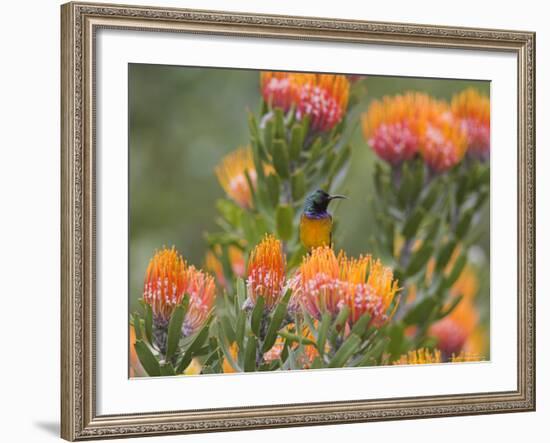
464,223
373,354
413,223
280,158
194,346
240,326
420,258
257,315
279,123
137,326
276,320
268,135
322,333
167,369
296,141
341,318
431,196
149,323
445,254
298,184
296,338
347,349
420,311
147,359
250,354
396,335
241,293
284,217
273,189
456,271
228,330
174,327
361,326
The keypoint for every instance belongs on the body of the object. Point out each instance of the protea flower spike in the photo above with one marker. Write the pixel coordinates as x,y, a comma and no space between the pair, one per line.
231,173
391,126
473,111
266,272
322,97
168,278
326,283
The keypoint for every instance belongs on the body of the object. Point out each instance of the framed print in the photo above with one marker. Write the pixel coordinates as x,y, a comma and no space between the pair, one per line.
282,221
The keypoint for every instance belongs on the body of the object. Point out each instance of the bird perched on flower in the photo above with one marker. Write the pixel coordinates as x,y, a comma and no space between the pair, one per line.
316,222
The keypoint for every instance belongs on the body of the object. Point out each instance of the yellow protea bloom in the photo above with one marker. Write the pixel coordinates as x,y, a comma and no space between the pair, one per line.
231,173
322,97
326,282
168,278
420,356
473,111
266,272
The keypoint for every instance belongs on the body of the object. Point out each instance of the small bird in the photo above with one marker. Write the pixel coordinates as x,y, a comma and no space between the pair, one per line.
316,222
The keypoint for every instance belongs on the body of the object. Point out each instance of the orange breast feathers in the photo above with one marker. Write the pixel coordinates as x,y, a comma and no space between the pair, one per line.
315,232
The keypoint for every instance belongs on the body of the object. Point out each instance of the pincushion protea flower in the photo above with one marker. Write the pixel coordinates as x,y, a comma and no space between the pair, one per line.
168,278
419,357
231,173
454,330
443,141
424,356
266,272
400,127
473,111
326,282
322,97
391,126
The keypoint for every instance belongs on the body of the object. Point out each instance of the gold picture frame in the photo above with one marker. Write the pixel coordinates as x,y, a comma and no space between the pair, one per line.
80,21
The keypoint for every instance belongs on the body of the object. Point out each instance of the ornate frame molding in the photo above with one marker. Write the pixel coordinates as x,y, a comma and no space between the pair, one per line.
80,21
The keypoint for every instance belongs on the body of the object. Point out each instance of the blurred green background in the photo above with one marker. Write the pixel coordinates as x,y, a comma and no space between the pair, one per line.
184,120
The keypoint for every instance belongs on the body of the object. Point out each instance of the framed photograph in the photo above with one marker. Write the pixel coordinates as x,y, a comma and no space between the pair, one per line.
282,221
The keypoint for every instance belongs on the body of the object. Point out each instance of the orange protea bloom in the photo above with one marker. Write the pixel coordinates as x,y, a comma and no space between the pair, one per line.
325,282
231,173
322,97
391,126
420,356
443,141
473,111
214,265
453,331
266,272
397,128
167,280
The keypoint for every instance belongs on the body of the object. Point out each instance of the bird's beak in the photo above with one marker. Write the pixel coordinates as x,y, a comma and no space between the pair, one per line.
333,197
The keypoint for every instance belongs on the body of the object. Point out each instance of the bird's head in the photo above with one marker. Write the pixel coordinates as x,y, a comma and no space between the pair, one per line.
317,202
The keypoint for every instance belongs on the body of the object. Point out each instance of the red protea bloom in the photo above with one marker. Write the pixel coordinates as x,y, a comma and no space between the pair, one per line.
326,282
266,272
473,111
167,280
322,97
